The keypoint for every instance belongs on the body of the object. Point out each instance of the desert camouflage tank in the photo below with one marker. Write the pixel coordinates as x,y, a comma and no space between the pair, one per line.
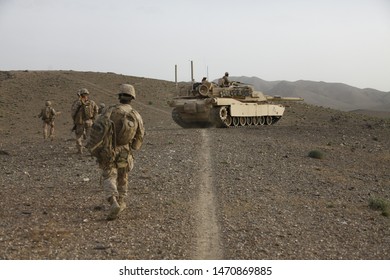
207,105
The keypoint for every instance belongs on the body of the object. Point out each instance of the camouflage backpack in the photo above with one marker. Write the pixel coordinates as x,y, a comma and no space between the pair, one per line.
47,113
126,122
116,126
100,142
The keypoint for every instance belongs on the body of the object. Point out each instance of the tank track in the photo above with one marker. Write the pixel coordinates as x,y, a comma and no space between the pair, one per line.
178,120
176,117
221,118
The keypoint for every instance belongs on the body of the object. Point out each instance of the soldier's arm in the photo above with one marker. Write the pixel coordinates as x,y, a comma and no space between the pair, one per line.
53,112
95,111
139,135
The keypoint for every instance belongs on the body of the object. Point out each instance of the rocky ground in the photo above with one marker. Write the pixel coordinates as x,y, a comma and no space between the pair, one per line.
237,193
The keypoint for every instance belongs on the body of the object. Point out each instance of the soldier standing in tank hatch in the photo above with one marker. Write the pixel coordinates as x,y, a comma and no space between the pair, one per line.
224,81
84,112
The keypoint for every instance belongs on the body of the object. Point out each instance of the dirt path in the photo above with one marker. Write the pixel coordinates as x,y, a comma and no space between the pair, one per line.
208,240
207,231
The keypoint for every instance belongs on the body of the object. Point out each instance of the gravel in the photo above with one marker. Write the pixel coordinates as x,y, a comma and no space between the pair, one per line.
237,193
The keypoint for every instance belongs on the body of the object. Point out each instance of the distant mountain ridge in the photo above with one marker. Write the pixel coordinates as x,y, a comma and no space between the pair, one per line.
333,95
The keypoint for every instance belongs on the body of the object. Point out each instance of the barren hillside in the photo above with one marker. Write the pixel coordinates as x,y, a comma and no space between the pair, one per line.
236,193
333,95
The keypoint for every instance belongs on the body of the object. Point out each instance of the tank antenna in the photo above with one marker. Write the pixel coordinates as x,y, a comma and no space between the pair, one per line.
192,71
176,75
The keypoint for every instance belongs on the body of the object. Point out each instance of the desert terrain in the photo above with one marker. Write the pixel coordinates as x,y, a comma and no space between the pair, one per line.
235,193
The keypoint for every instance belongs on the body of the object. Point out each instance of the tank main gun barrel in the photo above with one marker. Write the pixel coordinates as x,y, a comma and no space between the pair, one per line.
280,98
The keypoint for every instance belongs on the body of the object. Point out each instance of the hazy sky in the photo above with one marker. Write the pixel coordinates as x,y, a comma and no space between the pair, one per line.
344,41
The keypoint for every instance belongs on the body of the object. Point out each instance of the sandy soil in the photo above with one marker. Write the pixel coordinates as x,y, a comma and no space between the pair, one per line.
237,193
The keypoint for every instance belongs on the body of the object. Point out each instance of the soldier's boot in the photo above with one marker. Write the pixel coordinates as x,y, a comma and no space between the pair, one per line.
122,203
114,209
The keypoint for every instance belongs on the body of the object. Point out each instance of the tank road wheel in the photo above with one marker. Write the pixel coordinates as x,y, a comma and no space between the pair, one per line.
249,120
242,121
255,121
262,120
268,120
236,121
221,117
228,120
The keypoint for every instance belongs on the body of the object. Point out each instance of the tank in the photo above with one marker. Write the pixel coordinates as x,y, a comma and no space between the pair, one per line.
209,105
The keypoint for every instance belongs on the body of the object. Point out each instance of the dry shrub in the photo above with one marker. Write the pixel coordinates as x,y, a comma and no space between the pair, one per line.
316,154
380,204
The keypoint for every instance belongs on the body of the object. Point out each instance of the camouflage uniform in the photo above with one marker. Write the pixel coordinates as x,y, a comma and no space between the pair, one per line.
225,82
48,115
84,112
115,172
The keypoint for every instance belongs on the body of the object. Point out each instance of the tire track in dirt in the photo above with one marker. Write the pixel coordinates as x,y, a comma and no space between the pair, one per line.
207,232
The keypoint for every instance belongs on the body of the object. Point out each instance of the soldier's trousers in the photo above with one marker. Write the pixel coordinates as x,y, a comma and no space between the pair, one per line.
115,182
82,132
115,175
48,128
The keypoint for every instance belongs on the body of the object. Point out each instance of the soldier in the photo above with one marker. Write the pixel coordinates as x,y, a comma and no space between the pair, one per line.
224,81
84,112
48,115
207,84
101,107
116,162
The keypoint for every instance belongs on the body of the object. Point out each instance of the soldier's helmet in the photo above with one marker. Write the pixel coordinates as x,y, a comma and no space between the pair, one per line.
126,89
48,103
83,91
226,74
